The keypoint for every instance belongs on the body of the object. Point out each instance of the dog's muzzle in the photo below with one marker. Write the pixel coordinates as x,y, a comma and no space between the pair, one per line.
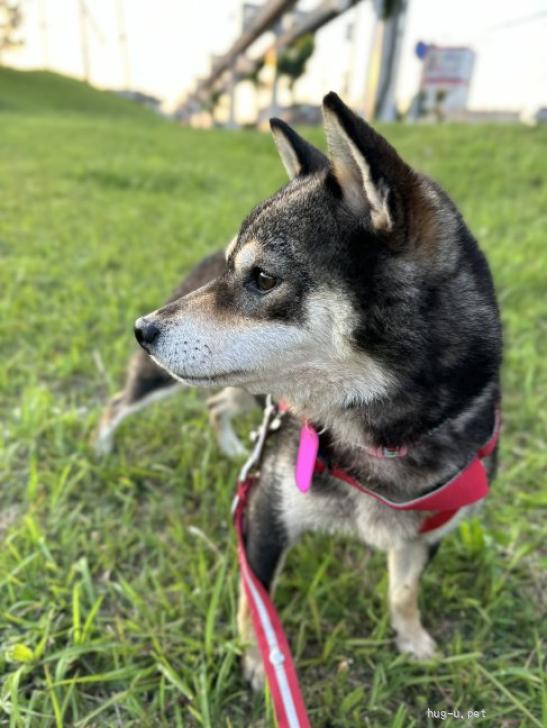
146,332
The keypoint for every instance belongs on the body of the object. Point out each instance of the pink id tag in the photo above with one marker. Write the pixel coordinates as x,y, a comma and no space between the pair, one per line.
306,457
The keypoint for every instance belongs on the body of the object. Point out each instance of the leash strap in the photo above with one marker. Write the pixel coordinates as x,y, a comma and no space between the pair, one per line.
289,707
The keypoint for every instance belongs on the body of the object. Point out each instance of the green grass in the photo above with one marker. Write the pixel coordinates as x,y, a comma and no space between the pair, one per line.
118,578
46,92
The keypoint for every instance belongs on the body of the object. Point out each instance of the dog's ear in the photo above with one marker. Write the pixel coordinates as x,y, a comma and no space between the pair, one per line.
299,157
369,171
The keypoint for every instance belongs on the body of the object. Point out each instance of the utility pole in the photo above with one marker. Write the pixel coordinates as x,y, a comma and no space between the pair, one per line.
352,36
232,119
271,64
384,59
84,41
124,48
43,30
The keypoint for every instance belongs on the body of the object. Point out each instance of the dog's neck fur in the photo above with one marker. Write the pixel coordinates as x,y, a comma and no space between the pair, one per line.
352,427
355,402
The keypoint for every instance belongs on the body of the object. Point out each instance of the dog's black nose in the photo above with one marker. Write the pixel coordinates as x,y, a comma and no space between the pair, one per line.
146,332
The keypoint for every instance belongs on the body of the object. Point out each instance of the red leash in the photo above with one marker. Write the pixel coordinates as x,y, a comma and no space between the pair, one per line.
289,707
468,486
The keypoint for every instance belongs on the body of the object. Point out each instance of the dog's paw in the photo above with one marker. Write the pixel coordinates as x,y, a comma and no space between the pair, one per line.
229,443
419,644
223,406
103,442
253,669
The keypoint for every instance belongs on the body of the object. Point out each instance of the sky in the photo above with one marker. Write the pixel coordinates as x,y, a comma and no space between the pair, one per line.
170,43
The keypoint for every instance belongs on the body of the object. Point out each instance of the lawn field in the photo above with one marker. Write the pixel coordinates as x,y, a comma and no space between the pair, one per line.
118,577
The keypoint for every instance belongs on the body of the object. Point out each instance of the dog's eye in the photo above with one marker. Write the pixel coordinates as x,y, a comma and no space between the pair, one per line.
263,281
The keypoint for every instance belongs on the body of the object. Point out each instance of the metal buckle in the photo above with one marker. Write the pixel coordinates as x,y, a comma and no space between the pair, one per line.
269,411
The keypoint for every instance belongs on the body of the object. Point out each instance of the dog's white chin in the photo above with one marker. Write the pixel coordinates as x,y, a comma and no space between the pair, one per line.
209,381
245,380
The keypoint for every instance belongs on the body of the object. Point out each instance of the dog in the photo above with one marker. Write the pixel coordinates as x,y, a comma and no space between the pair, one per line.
357,295
146,383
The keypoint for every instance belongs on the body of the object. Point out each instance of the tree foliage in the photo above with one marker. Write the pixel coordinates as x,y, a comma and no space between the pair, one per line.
254,75
292,61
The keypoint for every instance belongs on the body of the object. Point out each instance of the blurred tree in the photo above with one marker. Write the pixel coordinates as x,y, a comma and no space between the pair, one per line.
10,20
212,103
292,61
253,76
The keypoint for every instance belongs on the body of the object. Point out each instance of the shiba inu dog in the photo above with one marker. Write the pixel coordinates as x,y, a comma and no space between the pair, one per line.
358,296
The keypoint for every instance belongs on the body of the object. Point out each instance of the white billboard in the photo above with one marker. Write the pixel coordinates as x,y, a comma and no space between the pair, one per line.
446,76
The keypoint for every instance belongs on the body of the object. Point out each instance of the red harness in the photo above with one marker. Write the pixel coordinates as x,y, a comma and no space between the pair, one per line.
468,486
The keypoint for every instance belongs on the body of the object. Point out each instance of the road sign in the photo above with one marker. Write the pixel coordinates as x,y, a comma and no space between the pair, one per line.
421,49
446,76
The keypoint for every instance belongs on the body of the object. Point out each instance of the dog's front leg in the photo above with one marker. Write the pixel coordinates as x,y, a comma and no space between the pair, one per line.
265,541
405,567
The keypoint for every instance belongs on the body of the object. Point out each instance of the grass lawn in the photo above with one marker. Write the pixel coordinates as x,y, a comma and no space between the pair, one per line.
118,578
